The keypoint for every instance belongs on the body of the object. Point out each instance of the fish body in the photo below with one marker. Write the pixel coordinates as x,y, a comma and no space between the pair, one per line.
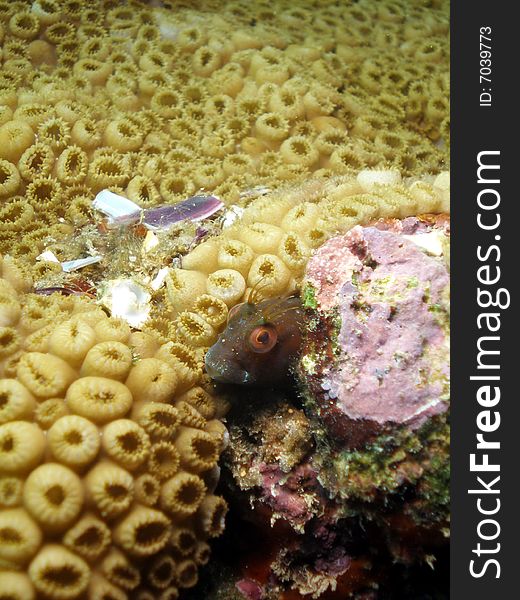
259,345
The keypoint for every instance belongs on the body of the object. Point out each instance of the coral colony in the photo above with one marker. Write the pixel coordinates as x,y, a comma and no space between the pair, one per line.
167,170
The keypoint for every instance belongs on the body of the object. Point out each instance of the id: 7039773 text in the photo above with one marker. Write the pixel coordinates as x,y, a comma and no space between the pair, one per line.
485,66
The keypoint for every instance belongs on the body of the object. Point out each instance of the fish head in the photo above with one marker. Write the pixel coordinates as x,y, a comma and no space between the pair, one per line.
258,345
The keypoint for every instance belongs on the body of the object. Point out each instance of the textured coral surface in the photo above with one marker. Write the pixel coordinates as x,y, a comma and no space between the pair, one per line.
108,454
160,99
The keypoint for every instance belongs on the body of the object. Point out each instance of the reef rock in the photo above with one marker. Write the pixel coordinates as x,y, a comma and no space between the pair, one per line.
374,369
377,356
345,486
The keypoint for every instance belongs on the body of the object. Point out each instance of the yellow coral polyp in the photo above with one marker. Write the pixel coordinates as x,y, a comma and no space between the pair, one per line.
89,537
227,285
49,411
153,380
107,171
158,419
211,309
48,11
24,25
9,178
15,137
110,489
55,132
189,415
181,284
9,341
36,161
272,127
44,193
10,491
16,585
44,375
116,567
175,187
183,540
164,460
147,489
72,165
195,330
205,60
198,450
163,571
86,133
100,588
58,573
110,359
112,330
187,574
143,191
71,341
126,443
58,33
20,537
10,310
98,398
212,512
74,441
182,494
54,495
123,135
261,237
143,532
269,274
95,71
294,252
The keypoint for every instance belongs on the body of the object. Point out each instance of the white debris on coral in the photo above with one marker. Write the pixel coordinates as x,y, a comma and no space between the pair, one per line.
48,255
159,279
431,243
150,241
232,214
118,209
73,265
126,299
69,266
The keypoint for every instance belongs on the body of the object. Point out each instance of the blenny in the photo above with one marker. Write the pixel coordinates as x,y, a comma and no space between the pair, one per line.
259,345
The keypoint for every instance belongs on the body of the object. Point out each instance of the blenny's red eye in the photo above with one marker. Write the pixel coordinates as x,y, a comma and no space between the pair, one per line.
263,338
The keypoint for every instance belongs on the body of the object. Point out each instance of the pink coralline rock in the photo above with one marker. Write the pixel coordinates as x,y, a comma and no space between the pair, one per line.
290,496
379,353
250,589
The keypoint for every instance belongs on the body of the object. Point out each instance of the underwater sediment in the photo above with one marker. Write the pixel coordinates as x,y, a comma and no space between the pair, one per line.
315,119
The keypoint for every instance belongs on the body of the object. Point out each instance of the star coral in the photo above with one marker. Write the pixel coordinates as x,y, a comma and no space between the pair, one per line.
100,458
273,80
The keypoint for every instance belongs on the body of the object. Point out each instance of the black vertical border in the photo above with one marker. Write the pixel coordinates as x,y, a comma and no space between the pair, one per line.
476,129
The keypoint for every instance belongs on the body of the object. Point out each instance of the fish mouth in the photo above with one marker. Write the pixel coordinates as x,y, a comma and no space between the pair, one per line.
225,373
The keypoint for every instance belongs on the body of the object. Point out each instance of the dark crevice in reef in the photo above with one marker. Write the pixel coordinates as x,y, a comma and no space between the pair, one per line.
253,551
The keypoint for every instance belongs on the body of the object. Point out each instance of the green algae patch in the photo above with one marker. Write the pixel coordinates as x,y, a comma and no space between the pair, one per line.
400,468
309,297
